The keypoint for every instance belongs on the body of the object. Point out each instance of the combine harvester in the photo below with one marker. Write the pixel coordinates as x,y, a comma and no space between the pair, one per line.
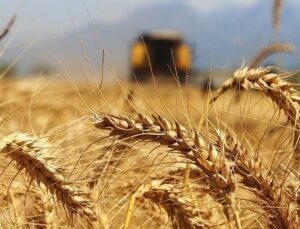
165,49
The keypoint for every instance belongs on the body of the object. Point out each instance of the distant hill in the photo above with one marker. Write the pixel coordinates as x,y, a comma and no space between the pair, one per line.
222,39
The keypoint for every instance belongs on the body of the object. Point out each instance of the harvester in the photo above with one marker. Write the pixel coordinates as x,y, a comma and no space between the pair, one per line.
164,53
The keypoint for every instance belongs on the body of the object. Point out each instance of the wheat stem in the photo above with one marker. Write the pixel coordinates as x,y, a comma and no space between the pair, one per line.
130,210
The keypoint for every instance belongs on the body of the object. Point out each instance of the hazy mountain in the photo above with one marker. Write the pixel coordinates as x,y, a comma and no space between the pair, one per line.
223,38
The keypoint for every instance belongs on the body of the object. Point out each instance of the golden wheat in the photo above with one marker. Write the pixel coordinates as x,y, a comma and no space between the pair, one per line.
31,154
278,200
205,155
274,86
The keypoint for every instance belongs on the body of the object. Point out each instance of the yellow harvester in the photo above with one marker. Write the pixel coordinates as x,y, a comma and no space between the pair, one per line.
164,50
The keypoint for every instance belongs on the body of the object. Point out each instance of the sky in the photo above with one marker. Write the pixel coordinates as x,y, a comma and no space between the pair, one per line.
50,17
45,18
41,21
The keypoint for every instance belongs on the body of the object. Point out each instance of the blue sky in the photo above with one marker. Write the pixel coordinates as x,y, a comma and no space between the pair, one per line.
45,18
42,20
49,17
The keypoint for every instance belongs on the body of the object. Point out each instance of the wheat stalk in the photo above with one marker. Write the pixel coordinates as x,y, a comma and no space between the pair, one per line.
274,48
29,153
8,27
274,86
277,14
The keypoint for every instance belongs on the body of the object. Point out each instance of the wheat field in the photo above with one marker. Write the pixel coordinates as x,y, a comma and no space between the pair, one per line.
152,155
138,156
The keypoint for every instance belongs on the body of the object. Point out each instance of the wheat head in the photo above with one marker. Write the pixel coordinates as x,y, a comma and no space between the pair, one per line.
30,153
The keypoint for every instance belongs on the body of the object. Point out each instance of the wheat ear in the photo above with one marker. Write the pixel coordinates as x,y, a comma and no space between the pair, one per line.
176,137
30,154
274,86
205,155
167,189
279,201
179,208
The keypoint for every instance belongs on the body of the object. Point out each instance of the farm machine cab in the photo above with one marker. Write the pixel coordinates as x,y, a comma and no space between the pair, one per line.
164,50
